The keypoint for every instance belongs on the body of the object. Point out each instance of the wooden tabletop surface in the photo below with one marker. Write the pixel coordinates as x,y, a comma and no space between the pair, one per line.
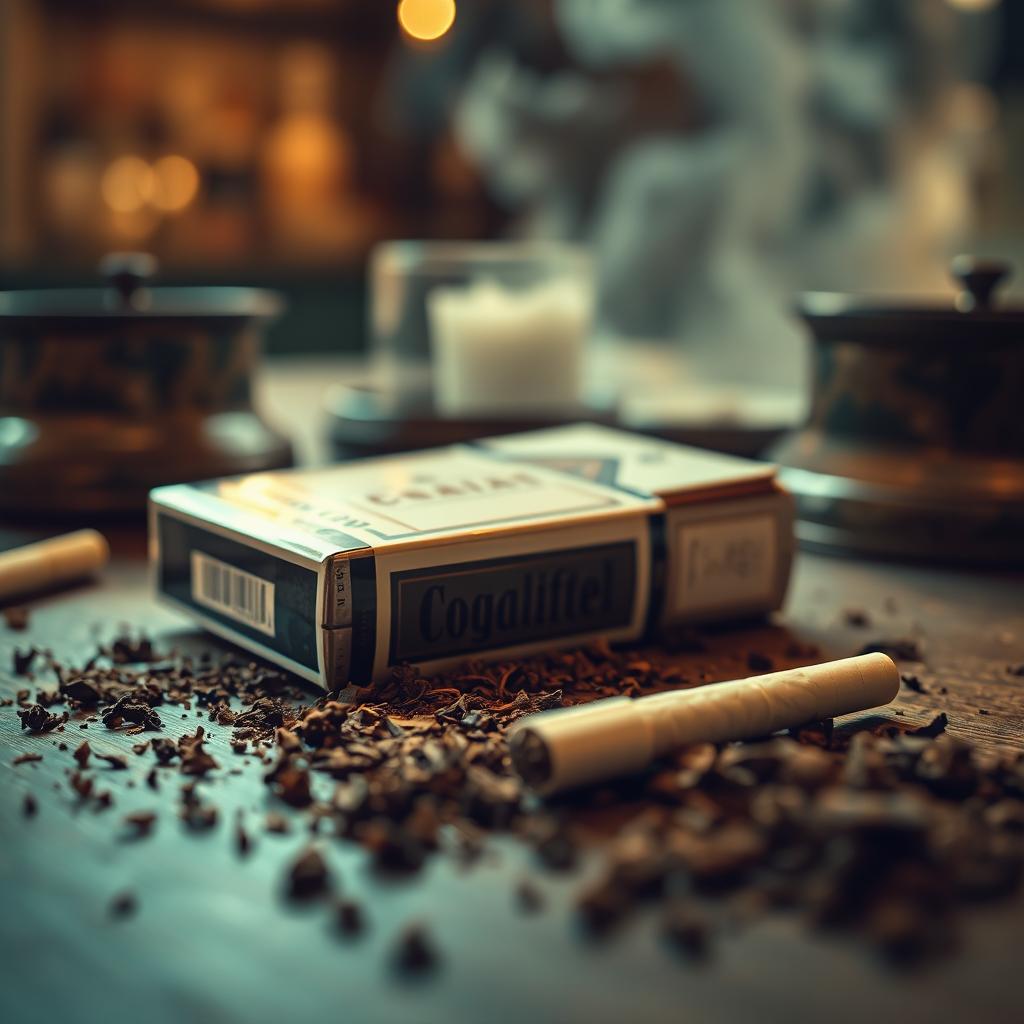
213,940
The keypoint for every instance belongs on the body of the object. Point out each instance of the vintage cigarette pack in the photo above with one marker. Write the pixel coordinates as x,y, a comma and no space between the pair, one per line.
503,548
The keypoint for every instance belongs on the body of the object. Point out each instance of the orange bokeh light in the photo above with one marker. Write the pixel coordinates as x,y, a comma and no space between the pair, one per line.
426,20
127,184
177,182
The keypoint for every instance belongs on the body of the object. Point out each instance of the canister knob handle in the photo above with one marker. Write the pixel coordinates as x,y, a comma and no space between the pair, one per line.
980,278
128,273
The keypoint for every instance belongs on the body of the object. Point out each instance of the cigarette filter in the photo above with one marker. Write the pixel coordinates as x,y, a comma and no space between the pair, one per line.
49,563
569,747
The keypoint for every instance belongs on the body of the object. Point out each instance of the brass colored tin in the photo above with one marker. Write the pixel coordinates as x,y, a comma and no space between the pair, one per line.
105,393
914,445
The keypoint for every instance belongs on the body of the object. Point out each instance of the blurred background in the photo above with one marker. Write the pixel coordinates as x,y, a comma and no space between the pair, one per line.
704,148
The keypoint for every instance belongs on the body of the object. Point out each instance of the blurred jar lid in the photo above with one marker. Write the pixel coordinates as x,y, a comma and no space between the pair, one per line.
128,296
973,316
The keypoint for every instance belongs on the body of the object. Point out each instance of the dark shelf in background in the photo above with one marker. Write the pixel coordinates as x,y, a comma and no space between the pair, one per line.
355,24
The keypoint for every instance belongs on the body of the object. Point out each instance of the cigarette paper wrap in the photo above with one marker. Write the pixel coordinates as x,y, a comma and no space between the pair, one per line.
621,736
48,563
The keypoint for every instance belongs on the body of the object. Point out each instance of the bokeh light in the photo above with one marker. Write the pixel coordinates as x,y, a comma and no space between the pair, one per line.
177,182
128,184
426,19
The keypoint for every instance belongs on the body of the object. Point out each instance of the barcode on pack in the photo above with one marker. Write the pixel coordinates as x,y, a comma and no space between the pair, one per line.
233,592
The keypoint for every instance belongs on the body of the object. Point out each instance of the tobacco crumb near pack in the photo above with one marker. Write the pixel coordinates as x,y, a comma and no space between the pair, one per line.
124,904
529,898
897,649
16,617
243,841
118,762
22,661
140,823
415,951
349,918
308,875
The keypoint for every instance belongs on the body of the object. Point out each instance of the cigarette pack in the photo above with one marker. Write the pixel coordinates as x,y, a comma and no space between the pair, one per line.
498,549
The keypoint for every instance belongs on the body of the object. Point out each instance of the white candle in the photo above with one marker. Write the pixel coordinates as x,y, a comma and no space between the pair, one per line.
500,351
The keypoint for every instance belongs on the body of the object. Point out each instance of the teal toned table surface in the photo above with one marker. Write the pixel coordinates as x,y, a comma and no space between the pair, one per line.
212,938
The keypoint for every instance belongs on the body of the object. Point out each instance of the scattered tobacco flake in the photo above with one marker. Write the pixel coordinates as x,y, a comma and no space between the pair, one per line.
816,734
81,692
152,780
528,897
140,748
912,682
276,823
800,651
557,850
27,757
289,781
348,917
758,662
935,727
898,650
243,842
194,759
36,718
116,761
21,661
984,711
164,750
132,710
1016,670
685,930
415,952
857,618
900,931
196,815
602,905
124,904
129,650
81,754
29,806
81,784
308,875
141,823
17,617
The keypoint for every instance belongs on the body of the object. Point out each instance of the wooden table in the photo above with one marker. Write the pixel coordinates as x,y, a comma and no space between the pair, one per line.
212,939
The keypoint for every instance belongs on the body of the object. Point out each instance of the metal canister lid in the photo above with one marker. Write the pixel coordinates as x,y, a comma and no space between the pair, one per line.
128,296
973,317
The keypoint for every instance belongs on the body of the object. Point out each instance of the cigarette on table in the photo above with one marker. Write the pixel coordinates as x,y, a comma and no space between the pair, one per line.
570,747
50,563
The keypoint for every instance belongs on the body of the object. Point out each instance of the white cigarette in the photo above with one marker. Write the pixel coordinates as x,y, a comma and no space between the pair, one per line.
569,747
49,563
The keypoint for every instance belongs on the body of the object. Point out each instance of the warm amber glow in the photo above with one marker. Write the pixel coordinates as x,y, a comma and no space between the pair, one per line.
973,5
128,184
426,19
177,182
